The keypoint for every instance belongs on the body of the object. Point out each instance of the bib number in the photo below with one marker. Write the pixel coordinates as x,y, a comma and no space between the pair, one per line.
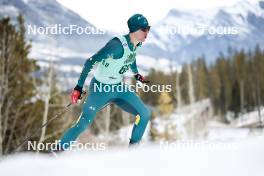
124,69
105,63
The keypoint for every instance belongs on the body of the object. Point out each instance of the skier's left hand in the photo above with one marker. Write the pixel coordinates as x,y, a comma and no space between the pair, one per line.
140,78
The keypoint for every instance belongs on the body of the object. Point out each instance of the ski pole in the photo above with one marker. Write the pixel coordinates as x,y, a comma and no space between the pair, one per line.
64,110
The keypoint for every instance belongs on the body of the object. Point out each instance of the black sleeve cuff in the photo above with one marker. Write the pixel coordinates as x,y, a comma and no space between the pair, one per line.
78,88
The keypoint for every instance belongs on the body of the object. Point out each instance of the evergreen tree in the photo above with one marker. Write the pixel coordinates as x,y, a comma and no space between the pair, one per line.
17,105
201,79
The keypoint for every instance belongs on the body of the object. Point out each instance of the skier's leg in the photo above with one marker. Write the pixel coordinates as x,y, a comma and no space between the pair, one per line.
131,99
125,106
93,104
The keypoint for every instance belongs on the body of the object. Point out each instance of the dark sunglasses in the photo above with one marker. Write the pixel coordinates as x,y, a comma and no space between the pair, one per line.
145,29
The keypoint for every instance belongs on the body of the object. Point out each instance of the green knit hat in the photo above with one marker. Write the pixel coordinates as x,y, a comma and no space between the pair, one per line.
136,22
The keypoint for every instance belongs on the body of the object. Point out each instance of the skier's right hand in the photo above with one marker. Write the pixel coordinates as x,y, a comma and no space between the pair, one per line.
75,95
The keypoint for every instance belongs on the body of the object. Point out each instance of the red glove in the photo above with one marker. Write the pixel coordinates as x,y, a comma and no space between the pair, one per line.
140,78
75,95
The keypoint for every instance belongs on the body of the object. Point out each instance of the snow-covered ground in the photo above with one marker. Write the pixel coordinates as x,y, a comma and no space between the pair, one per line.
249,119
225,151
205,158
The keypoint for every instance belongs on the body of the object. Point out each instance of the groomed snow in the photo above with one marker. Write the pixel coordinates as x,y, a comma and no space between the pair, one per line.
234,158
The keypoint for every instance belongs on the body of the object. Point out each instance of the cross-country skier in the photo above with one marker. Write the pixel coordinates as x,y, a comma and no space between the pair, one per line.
114,59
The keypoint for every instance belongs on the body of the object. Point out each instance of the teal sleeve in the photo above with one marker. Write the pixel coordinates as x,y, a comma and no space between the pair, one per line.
113,48
134,67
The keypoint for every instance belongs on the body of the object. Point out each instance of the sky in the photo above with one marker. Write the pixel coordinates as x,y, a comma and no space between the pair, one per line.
113,15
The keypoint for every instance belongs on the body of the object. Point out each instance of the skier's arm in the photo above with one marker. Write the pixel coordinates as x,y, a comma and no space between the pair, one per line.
133,67
137,76
112,48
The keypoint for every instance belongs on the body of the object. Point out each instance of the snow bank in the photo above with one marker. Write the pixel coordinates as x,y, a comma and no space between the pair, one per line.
249,119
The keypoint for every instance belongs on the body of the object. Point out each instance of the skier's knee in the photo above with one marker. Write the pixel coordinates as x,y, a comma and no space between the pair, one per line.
148,113
145,115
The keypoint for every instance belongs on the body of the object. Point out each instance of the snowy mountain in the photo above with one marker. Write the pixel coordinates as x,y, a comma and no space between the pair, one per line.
68,52
181,36
48,13
184,35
